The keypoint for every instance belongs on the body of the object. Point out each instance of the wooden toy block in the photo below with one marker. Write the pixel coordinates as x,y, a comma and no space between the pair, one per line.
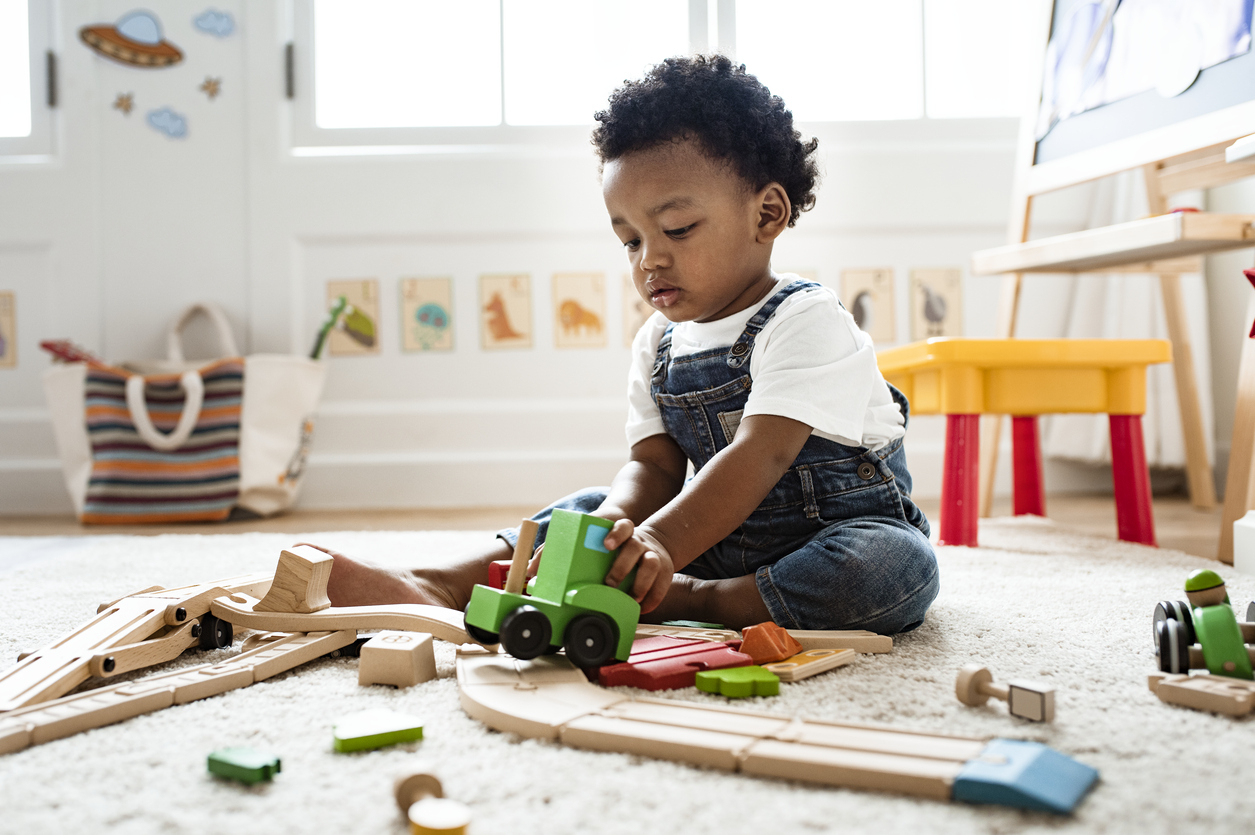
402,659
422,801
661,662
739,682
716,636
498,571
1023,775
247,765
767,642
810,662
1218,694
300,583
1028,700
859,640
377,728
444,624
46,721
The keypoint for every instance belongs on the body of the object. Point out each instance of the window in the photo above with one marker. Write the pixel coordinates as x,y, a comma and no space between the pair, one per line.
25,117
506,72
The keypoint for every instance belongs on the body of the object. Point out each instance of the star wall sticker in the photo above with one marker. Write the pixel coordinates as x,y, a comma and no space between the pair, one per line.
212,87
124,102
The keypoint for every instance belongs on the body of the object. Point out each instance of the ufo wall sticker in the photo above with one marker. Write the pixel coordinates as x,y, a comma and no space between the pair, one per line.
136,40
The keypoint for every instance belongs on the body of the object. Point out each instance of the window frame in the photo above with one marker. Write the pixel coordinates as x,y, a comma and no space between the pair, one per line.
39,145
706,32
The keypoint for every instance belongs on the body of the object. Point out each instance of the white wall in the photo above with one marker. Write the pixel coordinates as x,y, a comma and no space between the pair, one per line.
108,241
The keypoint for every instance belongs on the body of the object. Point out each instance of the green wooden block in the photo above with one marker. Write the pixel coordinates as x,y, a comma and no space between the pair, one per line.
694,624
247,765
739,682
372,729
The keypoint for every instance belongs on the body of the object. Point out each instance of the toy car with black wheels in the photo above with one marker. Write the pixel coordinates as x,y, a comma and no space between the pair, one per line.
567,605
1203,633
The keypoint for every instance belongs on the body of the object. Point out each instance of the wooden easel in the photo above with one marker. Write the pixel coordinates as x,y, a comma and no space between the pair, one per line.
1185,155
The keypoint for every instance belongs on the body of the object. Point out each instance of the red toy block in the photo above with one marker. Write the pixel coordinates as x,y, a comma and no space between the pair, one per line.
767,643
661,662
497,572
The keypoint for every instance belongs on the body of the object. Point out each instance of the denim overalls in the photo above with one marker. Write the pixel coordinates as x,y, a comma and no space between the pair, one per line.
837,543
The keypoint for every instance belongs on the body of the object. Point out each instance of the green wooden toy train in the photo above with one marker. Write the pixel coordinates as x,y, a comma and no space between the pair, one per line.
567,605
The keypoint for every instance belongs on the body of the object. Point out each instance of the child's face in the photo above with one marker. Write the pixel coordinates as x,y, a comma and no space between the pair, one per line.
694,232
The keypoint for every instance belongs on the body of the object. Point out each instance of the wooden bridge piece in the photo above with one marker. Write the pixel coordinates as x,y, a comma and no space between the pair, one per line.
300,583
442,623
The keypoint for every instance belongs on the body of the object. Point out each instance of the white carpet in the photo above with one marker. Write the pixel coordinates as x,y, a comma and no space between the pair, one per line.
1036,601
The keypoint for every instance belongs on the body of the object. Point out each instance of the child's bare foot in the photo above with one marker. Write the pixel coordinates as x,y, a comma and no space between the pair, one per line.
356,583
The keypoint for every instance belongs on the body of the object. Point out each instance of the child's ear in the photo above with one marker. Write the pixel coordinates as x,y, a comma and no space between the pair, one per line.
773,208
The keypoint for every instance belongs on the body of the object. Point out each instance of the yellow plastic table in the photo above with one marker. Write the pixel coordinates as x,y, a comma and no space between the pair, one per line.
966,378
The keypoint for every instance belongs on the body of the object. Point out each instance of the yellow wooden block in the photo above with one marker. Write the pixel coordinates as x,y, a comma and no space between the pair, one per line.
1024,376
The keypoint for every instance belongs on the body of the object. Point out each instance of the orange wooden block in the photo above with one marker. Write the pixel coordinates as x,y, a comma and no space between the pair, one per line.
768,642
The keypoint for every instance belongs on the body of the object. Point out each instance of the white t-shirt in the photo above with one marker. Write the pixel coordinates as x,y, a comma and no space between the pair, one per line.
810,363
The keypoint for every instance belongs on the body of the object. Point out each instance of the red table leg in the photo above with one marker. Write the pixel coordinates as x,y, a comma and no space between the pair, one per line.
1028,493
960,481
1135,522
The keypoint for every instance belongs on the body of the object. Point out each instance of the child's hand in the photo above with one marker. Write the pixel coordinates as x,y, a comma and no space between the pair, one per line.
640,550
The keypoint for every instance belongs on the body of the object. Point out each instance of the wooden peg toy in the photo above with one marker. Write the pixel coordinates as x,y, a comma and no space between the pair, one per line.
767,642
1025,699
401,659
246,765
421,799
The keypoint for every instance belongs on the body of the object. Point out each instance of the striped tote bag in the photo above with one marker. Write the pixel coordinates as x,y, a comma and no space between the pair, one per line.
187,445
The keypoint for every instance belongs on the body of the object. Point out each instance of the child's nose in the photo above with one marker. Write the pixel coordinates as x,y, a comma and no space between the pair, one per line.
654,254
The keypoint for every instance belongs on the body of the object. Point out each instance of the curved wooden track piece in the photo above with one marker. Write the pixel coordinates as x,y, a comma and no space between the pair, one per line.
549,698
444,624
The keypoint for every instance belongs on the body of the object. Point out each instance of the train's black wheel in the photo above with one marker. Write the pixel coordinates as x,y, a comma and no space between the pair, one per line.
1177,610
1174,648
215,633
525,632
482,636
590,640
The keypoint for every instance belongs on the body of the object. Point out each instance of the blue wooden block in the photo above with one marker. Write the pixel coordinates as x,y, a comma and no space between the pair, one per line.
1024,775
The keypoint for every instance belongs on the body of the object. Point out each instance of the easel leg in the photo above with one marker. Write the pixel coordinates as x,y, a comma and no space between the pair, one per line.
1135,521
991,425
1198,470
959,481
1238,489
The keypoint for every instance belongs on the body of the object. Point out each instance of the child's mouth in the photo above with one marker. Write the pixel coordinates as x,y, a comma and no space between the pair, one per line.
664,296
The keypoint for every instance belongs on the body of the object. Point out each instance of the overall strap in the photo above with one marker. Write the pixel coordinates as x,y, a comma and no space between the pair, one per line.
664,353
740,351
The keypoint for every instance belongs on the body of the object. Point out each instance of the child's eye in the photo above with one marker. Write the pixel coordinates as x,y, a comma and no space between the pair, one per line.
632,244
680,233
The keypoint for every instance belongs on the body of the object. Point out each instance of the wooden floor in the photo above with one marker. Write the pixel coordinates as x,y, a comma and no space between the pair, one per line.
1177,524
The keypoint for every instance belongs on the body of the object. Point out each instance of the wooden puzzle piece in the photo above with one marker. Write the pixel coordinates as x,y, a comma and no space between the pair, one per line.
68,715
247,765
810,662
135,631
661,662
859,640
1006,772
767,642
1219,694
375,728
1026,699
402,659
739,682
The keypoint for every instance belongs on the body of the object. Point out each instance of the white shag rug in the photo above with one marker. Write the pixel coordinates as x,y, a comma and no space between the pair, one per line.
1036,601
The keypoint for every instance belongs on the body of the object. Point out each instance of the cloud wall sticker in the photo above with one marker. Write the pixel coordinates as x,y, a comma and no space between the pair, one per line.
168,122
214,22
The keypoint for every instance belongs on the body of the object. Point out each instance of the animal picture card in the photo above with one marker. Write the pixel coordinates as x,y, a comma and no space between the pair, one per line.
635,311
505,311
357,331
8,330
427,314
579,310
936,303
868,295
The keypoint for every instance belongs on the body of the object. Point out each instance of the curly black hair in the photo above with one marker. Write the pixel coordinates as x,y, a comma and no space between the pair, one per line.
727,110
